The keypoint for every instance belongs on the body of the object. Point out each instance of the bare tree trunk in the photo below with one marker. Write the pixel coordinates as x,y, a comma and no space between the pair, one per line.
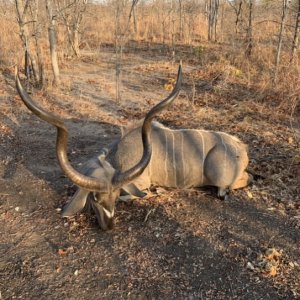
180,20
118,49
39,52
280,38
22,10
213,7
222,20
296,33
71,13
209,8
135,23
76,41
238,9
120,39
249,39
216,16
53,41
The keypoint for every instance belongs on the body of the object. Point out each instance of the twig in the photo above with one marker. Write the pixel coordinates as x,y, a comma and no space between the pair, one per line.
148,214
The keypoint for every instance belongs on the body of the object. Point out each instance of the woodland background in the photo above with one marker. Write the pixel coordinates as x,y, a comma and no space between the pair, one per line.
258,40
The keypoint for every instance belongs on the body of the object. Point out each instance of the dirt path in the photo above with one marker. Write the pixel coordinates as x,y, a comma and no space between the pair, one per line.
191,245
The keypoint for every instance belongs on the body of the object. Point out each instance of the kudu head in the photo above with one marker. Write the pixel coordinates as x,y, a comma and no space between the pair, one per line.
103,180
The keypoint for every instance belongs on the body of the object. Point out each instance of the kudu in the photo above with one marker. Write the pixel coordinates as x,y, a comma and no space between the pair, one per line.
148,154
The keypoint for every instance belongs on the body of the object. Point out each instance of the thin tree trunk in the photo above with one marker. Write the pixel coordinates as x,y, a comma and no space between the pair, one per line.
249,31
216,16
238,9
118,49
39,52
280,39
213,8
30,60
53,42
296,34
120,39
80,10
209,36
180,20
76,41
135,23
238,16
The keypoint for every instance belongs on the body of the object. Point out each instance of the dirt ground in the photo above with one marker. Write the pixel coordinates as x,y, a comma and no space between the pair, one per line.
175,244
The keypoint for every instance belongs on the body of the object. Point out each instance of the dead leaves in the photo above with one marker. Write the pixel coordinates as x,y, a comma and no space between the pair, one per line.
266,263
170,84
249,194
65,251
290,140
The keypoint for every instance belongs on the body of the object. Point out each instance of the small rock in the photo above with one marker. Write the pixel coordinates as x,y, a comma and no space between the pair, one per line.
58,209
62,252
17,208
76,273
250,266
70,249
249,194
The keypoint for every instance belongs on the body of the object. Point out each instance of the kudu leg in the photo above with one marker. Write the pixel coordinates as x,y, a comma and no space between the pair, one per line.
242,181
223,193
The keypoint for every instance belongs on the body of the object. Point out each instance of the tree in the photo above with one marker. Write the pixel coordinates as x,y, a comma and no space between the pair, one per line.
120,39
27,17
71,13
53,41
285,8
213,10
249,35
238,10
296,32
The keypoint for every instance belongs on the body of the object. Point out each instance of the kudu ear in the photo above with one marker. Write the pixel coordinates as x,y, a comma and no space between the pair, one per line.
77,203
132,189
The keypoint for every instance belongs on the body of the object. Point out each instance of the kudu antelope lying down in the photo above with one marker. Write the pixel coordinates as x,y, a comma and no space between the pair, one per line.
149,154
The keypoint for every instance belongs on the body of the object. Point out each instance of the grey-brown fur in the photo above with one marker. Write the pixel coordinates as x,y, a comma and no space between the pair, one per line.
185,158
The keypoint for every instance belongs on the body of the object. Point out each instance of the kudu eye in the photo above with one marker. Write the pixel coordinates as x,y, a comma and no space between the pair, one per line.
97,197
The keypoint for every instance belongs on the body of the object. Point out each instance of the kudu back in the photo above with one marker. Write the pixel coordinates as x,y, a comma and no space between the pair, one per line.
148,154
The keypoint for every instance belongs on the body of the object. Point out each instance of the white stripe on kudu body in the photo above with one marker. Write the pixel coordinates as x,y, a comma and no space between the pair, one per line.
187,158
166,157
225,156
182,160
174,159
203,155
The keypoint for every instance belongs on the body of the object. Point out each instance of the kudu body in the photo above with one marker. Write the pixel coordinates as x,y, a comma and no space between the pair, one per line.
184,158
149,154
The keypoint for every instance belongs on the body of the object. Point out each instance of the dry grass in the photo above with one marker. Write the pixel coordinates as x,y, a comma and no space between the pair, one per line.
8,42
158,26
